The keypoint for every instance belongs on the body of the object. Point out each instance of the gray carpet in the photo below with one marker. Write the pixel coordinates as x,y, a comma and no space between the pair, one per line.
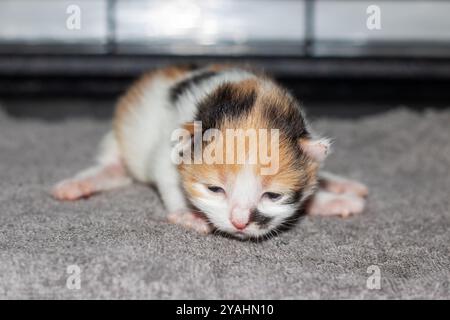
125,249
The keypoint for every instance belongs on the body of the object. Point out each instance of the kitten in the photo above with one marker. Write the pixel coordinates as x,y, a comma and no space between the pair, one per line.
172,128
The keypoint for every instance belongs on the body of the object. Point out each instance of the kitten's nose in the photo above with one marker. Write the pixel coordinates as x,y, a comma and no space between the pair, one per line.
239,217
240,225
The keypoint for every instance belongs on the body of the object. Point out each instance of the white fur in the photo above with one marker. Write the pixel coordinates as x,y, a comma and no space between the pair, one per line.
243,193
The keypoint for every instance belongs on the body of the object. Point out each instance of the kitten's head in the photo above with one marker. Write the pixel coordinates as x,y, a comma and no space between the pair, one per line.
253,162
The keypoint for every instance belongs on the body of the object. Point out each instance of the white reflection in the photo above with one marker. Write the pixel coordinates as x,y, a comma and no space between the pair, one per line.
208,22
174,18
207,34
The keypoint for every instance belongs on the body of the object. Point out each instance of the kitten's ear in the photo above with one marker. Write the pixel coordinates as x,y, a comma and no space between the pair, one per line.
316,149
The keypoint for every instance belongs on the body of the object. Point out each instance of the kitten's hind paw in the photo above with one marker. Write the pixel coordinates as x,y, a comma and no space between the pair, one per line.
330,204
72,190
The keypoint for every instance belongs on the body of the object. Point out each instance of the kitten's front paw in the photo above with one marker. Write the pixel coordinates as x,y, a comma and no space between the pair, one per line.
190,220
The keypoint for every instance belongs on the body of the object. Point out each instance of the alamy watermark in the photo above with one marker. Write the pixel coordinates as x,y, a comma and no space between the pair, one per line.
373,21
73,281
374,280
234,146
73,21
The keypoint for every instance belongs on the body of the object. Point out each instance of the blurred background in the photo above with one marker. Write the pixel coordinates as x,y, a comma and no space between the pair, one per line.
337,57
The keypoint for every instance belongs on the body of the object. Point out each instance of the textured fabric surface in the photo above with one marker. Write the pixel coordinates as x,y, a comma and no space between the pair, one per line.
125,249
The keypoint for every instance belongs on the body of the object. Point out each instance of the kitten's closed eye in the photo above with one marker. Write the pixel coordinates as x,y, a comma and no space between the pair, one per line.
273,196
216,189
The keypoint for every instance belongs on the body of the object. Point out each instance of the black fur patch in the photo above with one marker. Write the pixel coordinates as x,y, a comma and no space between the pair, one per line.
225,101
289,122
293,198
260,219
181,87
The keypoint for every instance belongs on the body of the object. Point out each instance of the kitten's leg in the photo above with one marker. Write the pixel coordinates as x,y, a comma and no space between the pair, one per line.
325,203
168,182
92,180
179,213
336,184
108,174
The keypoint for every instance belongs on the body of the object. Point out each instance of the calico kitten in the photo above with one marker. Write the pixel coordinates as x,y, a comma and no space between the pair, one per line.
250,194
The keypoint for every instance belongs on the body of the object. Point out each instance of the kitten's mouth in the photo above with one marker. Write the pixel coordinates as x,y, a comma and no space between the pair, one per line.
242,236
242,232
248,234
